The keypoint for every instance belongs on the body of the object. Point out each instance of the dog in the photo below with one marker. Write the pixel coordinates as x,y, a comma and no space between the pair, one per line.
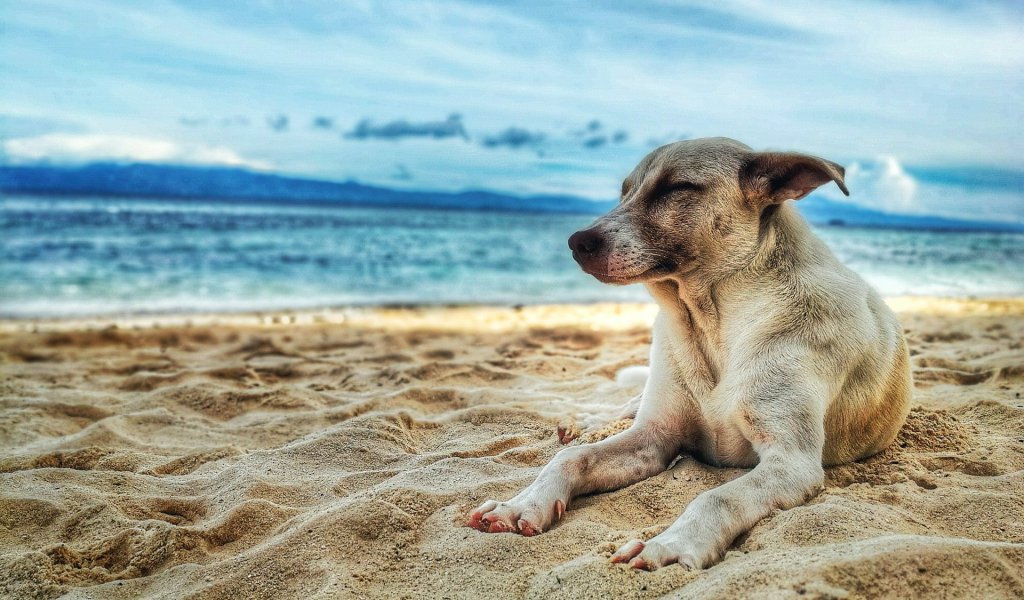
767,353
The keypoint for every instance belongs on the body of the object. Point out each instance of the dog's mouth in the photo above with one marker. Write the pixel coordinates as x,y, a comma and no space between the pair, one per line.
658,271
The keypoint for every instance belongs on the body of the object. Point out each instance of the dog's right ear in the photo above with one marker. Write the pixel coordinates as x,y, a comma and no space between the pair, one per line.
774,177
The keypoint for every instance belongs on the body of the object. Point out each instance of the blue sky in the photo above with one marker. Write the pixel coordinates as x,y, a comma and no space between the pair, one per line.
920,100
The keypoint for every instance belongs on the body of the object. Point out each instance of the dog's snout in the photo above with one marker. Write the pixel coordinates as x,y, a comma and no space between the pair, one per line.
586,242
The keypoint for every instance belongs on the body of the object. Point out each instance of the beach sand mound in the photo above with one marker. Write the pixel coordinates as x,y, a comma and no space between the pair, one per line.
325,460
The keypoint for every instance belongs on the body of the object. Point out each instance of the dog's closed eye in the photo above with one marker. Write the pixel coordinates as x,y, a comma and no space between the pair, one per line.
673,189
681,186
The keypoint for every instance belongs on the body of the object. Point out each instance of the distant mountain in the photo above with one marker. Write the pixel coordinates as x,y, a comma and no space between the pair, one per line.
172,181
820,211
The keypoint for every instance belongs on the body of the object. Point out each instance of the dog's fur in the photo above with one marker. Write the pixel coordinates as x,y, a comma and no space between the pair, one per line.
767,352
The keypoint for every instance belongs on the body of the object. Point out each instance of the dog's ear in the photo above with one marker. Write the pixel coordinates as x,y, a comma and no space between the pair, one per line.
773,177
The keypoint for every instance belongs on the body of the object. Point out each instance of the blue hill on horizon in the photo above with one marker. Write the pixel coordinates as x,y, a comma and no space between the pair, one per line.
235,184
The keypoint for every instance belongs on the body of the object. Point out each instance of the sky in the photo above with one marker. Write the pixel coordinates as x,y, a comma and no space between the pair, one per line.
920,100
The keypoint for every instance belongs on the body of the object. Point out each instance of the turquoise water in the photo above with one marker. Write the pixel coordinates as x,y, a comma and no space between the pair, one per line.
74,256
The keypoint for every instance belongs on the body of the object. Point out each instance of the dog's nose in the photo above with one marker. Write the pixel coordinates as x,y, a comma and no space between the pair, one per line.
585,242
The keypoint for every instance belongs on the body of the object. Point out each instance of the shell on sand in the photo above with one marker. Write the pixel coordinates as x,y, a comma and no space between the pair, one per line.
336,454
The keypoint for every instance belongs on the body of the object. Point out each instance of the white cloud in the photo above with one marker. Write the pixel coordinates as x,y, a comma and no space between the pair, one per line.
76,148
883,185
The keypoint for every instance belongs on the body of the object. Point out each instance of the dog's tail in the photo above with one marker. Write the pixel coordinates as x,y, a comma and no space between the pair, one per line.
632,377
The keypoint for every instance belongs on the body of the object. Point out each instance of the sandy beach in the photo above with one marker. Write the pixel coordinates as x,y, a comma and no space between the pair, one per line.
334,454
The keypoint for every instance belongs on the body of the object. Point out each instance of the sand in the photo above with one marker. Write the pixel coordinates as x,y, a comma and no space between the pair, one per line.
334,454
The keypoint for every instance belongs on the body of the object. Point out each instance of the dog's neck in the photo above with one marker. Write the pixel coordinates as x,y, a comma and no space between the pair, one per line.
694,299
697,296
785,242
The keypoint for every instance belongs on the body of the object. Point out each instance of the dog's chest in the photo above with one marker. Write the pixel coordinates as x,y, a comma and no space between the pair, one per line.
695,360
718,439
715,436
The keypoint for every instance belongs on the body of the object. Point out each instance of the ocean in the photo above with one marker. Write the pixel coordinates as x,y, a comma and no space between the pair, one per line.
101,256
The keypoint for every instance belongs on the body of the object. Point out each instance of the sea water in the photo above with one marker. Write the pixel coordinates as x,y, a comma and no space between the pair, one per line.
93,256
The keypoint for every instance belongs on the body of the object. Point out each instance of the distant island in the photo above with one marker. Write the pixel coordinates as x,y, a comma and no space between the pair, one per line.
234,184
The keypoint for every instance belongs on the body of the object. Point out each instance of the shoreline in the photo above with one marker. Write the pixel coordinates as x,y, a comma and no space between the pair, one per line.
603,316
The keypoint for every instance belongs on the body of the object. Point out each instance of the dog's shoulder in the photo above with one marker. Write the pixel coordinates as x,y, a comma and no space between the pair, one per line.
810,298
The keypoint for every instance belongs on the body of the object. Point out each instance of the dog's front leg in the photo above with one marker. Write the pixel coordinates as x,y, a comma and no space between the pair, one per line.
787,432
641,451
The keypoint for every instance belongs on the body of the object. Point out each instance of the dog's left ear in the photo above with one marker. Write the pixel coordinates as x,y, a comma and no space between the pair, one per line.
773,177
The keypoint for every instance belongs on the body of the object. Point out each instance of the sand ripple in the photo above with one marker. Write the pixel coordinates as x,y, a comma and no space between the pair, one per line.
337,460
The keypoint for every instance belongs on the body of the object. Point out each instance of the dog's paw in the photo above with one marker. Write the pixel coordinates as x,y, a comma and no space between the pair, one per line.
568,431
654,554
512,517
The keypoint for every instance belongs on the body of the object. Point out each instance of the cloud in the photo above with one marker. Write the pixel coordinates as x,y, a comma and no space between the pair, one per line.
514,137
278,122
883,184
591,128
321,122
599,140
193,121
80,148
396,130
593,135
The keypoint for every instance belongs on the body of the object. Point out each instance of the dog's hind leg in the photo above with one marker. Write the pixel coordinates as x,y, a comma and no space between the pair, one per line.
622,459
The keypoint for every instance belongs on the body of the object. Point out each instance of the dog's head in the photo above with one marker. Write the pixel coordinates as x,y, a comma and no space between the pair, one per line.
695,205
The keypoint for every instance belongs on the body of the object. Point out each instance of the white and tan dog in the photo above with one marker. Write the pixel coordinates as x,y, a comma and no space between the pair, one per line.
767,351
